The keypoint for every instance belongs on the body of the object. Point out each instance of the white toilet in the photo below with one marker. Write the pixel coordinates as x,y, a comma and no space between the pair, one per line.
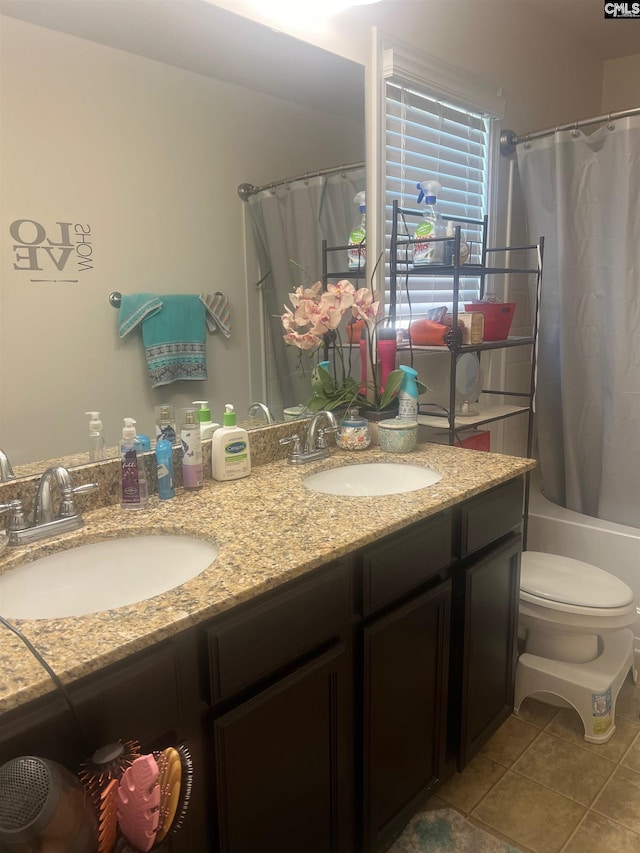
574,621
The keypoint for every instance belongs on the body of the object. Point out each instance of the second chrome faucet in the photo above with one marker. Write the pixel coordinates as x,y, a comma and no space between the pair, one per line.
315,444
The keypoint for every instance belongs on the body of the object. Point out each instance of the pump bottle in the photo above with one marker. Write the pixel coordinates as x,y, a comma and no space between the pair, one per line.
134,489
230,452
207,427
356,251
425,250
97,447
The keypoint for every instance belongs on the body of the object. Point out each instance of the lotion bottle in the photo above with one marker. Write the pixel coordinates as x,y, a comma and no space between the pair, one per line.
192,476
207,427
230,452
134,490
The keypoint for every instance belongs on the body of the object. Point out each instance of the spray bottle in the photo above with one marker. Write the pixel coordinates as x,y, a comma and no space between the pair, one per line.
408,394
425,251
356,251
97,447
192,474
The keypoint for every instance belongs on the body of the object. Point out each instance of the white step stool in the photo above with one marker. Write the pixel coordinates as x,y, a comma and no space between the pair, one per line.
592,688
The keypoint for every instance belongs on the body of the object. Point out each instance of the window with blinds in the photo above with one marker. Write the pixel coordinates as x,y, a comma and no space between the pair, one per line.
429,139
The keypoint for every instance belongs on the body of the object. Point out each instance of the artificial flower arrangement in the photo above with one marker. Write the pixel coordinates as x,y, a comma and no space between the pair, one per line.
314,325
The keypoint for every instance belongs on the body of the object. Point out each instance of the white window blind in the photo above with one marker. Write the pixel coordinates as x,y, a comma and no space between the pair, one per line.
430,139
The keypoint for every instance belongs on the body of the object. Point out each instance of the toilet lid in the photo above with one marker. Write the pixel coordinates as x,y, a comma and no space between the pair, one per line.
567,581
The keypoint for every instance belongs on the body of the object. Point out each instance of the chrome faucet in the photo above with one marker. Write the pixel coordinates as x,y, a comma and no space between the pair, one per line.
315,446
45,522
6,471
263,410
315,436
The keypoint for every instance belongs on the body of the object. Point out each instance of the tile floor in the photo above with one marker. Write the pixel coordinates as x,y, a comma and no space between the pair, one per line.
542,787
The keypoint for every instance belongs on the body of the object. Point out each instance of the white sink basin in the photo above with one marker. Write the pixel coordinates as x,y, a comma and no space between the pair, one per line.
102,575
372,478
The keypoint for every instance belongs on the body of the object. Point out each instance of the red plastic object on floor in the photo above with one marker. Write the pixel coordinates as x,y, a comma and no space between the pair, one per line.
476,441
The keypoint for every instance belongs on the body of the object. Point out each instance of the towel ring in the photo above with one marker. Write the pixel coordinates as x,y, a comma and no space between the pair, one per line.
115,298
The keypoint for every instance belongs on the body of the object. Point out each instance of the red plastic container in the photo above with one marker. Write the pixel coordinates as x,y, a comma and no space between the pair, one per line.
498,317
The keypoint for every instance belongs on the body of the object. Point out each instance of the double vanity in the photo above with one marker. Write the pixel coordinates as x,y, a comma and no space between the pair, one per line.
333,661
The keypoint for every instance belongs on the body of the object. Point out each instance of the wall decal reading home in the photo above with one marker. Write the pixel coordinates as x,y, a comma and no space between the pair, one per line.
62,247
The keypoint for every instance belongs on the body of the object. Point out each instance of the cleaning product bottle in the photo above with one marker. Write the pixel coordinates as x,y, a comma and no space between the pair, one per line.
164,461
97,446
165,423
425,251
357,251
408,394
134,489
192,475
230,452
207,427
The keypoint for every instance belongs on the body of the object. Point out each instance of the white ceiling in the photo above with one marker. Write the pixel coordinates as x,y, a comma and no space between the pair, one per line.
209,40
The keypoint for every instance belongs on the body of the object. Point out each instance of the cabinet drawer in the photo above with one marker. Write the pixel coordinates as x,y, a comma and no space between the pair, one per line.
404,561
489,516
248,647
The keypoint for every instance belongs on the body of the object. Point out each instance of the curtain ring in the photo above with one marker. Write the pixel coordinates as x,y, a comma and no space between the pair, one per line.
575,132
610,124
527,141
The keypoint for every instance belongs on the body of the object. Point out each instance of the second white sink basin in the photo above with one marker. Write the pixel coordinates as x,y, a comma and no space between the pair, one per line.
372,478
102,575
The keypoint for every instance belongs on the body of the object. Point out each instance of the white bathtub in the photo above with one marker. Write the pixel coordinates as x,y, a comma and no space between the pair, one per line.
613,547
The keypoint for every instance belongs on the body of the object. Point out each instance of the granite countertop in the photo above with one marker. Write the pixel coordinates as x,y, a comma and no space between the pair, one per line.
269,529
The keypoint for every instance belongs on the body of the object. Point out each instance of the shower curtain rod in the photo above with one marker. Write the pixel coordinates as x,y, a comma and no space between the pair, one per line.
509,140
247,190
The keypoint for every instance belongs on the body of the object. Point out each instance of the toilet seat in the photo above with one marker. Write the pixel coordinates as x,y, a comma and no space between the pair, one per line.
573,587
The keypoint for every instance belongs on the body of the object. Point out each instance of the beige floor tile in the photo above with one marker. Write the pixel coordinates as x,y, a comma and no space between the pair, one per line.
632,758
522,848
597,834
628,702
537,713
510,741
567,724
620,799
466,789
529,813
565,767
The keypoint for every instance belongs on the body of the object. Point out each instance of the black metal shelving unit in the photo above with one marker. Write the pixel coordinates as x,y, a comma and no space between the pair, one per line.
401,267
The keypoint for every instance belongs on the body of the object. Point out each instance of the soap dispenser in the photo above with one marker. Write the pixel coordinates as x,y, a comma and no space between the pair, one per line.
134,489
230,453
97,446
207,427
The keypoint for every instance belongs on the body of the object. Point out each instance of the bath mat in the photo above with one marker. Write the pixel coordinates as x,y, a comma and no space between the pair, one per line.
447,831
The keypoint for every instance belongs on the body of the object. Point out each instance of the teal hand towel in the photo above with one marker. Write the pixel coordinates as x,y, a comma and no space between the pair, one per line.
174,331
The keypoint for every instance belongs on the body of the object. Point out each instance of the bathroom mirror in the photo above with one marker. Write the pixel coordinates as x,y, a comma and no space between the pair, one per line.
125,138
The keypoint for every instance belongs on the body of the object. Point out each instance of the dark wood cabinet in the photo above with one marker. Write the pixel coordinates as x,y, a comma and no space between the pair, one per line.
321,714
489,644
283,764
405,672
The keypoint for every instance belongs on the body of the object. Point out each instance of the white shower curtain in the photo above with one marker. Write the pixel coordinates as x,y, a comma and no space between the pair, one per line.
289,223
582,192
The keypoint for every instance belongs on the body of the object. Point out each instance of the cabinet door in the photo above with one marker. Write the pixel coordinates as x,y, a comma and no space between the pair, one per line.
405,671
283,764
490,645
